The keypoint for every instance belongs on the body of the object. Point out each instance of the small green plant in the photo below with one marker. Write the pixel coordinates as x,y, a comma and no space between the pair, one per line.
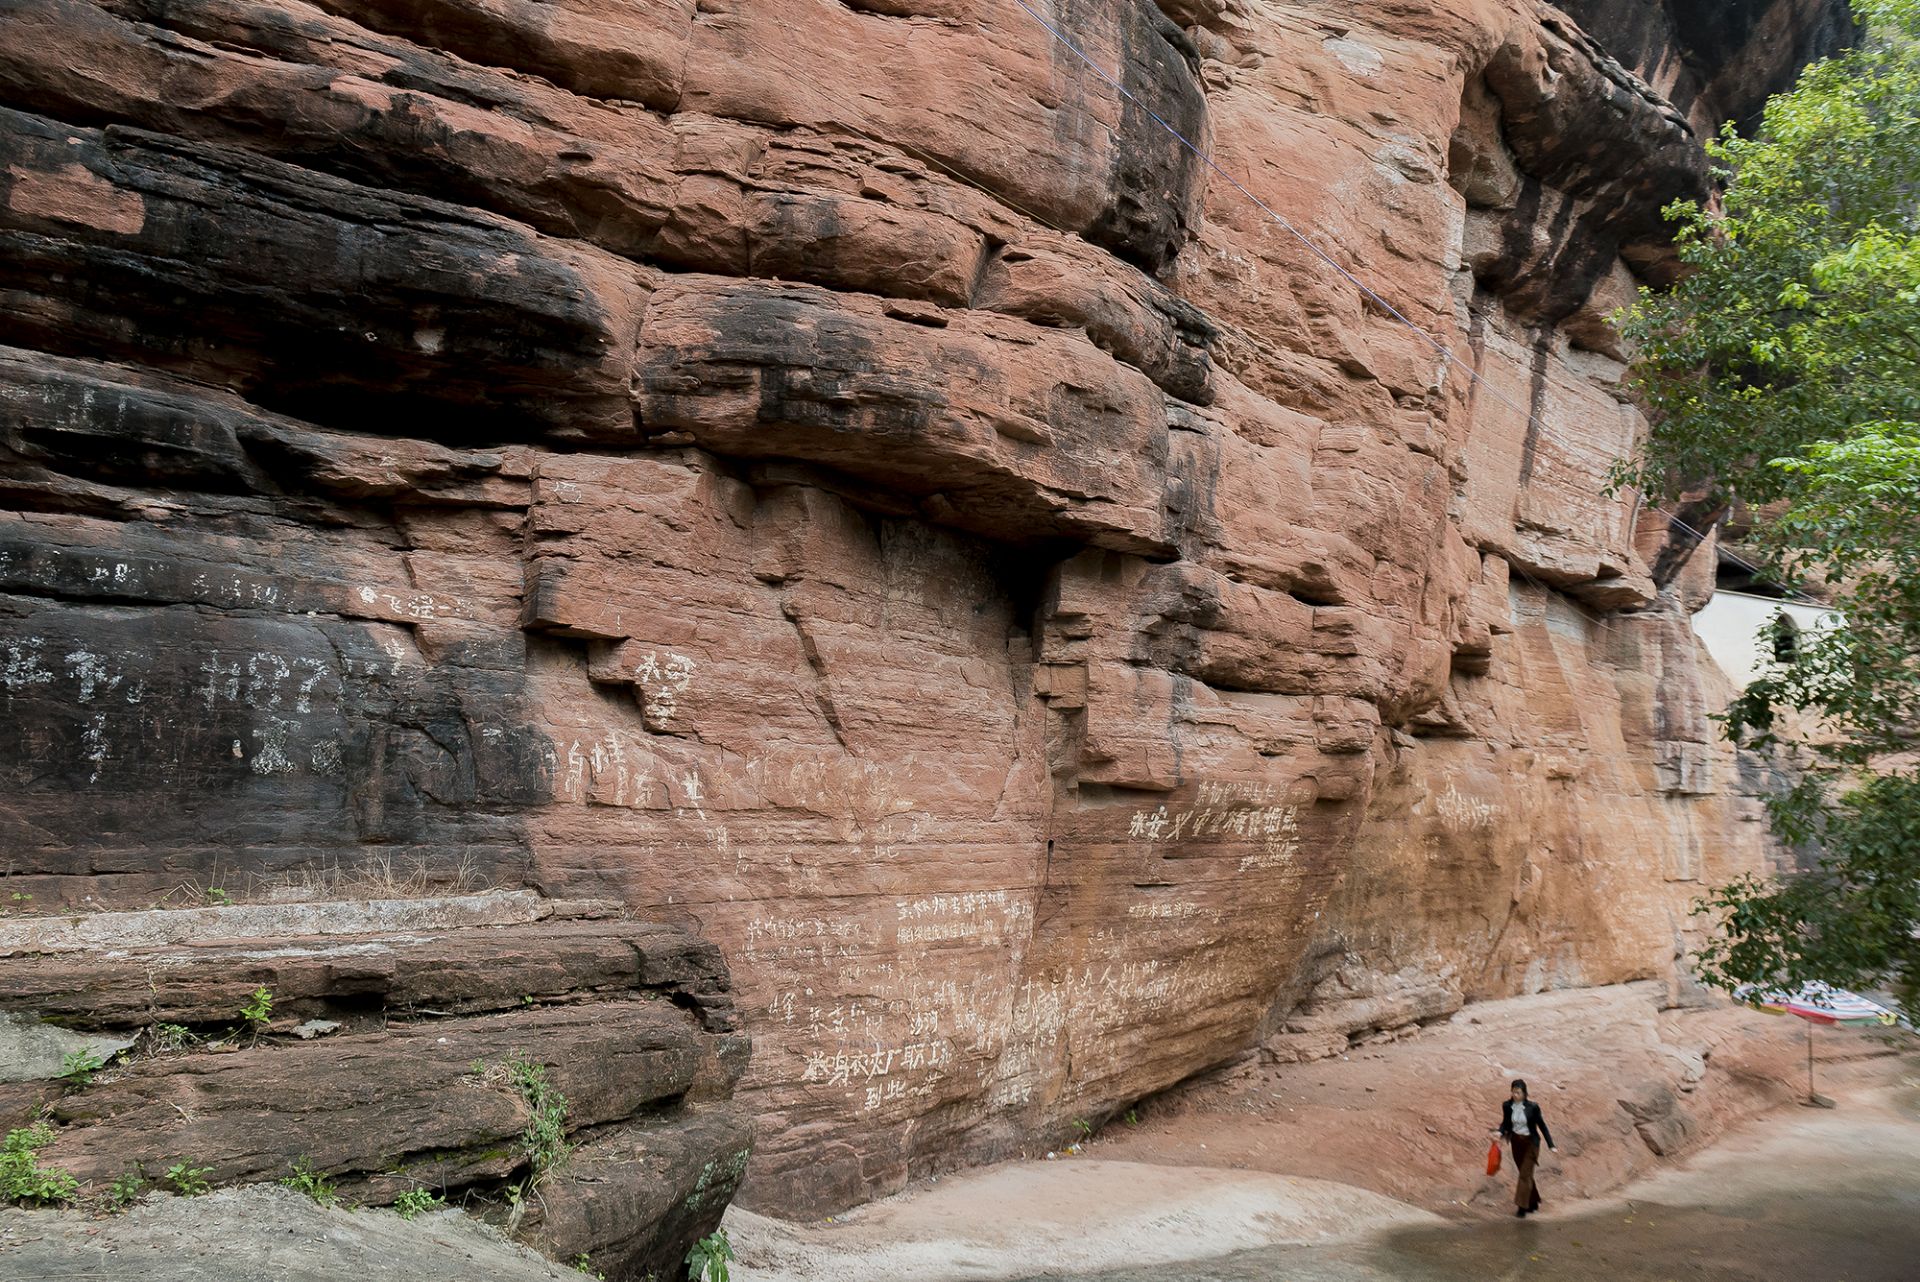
1133,1117
22,1178
188,1180
258,1010
218,896
415,1203
583,1263
311,1182
708,1260
171,1037
78,1067
545,1138
126,1190
1083,1126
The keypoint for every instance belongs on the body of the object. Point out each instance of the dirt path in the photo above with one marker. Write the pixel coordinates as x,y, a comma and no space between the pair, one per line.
1368,1167
1081,1217
1804,1195
1832,1196
1626,1086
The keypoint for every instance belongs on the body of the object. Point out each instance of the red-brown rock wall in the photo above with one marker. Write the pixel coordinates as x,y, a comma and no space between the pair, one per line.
842,474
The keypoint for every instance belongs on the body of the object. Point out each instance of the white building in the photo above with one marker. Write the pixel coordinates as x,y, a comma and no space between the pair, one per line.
1744,633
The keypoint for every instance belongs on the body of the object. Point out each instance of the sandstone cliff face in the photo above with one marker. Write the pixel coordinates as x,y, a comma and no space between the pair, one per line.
841,476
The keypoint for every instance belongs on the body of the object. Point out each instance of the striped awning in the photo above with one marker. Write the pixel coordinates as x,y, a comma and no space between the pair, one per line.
1822,1004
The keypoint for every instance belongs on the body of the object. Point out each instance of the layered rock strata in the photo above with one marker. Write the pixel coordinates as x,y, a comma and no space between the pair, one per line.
843,476
402,1046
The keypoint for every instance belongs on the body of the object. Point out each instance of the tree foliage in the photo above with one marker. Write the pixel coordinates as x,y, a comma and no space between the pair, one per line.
1784,370
1848,922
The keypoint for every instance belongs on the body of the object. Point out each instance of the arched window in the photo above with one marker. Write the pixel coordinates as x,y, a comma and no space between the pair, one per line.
1786,638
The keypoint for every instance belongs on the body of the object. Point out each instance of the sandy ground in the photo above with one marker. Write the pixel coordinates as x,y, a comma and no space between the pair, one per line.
1370,1167
1080,1216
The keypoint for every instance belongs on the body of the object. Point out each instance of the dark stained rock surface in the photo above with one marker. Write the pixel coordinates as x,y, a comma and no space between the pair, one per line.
1716,59
839,480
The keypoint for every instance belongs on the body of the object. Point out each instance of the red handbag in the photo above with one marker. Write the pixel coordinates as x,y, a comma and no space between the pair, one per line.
1493,1158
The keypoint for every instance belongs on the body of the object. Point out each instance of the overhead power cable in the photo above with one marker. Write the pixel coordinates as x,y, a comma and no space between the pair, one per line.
1745,564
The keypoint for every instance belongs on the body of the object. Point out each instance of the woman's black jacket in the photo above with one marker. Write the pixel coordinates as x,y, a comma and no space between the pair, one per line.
1535,1123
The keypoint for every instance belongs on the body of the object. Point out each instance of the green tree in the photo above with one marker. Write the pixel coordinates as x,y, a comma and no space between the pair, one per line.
1784,370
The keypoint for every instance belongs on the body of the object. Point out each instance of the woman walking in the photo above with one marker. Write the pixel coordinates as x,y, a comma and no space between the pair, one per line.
1526,1130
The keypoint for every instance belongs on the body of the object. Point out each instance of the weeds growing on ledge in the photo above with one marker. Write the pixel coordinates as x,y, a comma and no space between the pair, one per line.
414,1203
311,1182
164,1038
188,1180
126,1190
258,1010
78,1067
545,1138
22,1178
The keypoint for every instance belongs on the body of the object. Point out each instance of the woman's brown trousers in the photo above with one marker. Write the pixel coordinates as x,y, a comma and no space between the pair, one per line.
1526,1152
